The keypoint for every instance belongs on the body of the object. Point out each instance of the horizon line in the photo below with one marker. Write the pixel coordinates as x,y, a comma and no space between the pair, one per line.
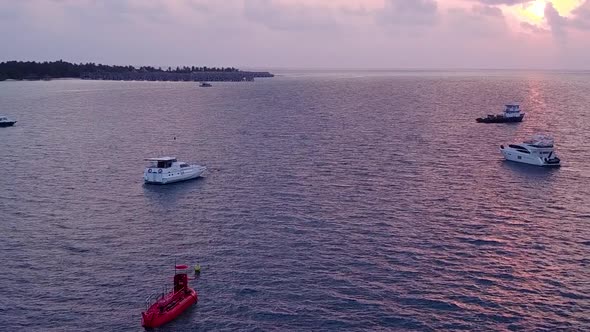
322,68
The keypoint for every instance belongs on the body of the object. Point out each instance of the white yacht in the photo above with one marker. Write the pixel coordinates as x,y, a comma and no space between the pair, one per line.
537,151
6,122
167,170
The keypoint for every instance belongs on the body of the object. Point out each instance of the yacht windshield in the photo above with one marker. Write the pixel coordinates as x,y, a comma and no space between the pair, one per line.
519,148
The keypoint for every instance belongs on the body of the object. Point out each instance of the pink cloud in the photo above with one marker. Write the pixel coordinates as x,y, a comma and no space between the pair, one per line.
288,33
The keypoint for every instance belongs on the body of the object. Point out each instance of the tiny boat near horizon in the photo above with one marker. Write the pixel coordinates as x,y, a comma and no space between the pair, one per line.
6,122
538,151
511,113
165,170
169,306
205,85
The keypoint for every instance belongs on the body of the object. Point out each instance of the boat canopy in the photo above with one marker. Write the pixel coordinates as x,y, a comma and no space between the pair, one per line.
172,159
541,140
162,162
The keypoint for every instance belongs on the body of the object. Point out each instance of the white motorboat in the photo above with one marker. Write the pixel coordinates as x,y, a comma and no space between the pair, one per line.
6,122
537,151
168,170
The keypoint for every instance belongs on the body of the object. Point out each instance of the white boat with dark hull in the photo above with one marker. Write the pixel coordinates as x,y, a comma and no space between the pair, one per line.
537,151
6,122
511,113
168,170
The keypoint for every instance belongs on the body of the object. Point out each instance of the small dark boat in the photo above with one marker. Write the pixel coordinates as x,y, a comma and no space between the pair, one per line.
205,85
5,122
511,114
169,306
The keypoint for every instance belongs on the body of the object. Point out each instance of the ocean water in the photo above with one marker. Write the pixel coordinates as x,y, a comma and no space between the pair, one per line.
333,201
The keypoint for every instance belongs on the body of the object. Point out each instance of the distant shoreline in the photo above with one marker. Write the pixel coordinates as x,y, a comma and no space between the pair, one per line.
89,79
44,71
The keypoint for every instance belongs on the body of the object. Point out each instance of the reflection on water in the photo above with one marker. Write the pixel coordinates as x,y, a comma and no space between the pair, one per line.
173,192
530,171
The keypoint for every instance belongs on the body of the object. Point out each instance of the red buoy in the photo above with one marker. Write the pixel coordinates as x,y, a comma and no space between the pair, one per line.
169,306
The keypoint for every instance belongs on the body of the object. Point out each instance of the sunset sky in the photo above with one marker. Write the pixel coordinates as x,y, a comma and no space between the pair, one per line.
301,33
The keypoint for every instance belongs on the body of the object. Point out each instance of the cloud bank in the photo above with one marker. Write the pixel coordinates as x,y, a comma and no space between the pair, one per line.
295,33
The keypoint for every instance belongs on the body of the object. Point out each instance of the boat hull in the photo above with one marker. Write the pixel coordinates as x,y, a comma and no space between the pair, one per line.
7,124
500,119
168,308
166,178
515,156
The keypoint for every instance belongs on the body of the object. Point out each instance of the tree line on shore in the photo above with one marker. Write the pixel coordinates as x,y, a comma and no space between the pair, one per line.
19,70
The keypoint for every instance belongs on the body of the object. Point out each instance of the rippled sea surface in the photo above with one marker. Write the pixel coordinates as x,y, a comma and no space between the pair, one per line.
332,201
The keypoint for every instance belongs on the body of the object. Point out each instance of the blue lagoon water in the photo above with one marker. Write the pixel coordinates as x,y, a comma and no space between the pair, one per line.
332,201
